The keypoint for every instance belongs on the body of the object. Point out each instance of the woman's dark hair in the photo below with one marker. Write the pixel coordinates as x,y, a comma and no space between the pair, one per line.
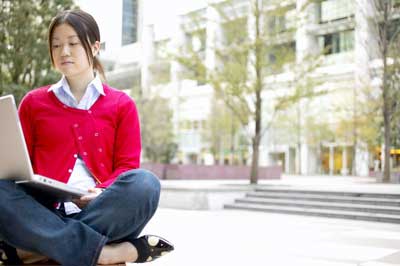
86,28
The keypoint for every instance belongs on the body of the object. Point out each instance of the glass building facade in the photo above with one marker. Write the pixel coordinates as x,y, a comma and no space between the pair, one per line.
129,21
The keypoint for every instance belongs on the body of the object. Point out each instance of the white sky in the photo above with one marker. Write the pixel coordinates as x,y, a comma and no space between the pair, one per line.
161,10
163,14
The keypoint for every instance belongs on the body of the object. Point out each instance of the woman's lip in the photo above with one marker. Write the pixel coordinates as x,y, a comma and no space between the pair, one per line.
67,62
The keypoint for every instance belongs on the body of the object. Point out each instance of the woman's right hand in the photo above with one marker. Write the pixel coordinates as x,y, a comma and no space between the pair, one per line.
84,200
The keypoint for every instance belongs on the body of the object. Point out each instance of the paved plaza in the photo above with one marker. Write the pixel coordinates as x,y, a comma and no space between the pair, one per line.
249,238
235,237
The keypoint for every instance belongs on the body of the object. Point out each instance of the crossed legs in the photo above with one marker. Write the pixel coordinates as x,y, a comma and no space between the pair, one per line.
117,215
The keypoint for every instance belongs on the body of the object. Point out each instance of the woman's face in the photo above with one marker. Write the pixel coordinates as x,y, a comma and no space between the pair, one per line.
69,54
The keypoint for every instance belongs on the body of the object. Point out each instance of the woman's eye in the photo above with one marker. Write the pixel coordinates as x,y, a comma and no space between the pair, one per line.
55,45
74,43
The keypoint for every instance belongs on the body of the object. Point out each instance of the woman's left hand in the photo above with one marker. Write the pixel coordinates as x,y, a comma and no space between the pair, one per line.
84,200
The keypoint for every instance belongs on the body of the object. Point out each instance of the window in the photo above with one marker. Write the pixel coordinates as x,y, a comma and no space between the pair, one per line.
336,9
196,40
281,21
195,125
234,31
276,23
280,55
337,42
129,21
161,48
393,30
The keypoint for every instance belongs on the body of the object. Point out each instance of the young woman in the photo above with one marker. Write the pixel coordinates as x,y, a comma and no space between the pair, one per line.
84,133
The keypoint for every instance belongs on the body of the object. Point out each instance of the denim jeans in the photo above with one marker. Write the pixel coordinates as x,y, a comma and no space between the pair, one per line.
30,222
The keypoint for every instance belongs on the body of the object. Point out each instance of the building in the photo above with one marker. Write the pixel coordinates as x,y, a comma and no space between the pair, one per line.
342,30
120,29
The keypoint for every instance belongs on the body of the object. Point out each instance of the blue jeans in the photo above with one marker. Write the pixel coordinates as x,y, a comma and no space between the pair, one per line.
30,222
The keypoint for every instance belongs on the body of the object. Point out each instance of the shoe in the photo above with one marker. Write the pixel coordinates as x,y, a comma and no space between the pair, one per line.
151,247
8,255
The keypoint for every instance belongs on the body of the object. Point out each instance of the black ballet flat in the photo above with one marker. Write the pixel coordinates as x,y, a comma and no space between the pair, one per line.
151,247
8,255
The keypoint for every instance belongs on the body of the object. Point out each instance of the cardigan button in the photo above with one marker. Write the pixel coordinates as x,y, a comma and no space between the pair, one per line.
80,138
102,165
75,155
100,150
69,170
89,111
76,125
84,153
96,134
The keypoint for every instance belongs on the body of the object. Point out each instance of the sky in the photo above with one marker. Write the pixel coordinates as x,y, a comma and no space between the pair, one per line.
159,10
164,13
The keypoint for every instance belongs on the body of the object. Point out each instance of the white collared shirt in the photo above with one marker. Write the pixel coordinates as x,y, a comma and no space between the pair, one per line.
64,94
80,176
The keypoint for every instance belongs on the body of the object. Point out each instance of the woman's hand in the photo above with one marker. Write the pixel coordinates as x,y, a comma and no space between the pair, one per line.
84,200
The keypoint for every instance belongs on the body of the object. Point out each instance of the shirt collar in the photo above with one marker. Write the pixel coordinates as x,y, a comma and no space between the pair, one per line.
63,84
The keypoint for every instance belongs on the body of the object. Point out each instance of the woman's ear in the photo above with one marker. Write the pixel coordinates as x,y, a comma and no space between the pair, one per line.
95,48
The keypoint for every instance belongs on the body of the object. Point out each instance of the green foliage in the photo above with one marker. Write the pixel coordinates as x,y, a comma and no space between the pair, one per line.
194,66
160,72
157,131
24,59
222,132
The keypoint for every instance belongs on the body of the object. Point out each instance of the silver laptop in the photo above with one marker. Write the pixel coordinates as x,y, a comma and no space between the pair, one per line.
15,163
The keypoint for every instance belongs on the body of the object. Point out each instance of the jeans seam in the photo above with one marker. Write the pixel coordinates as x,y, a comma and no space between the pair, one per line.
96,256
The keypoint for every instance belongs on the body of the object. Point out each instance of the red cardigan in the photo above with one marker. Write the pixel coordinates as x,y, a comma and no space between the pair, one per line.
106,137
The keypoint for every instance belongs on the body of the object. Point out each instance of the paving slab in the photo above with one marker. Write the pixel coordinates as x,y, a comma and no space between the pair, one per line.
235,237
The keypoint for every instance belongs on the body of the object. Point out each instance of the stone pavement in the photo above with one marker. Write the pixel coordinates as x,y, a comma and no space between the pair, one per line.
234,237
248,238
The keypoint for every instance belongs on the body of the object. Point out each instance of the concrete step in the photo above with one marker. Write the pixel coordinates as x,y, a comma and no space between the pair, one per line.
328,192
326,198
376,217
354,207
358,205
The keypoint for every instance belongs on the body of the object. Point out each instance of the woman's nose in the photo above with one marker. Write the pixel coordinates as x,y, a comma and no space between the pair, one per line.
65,50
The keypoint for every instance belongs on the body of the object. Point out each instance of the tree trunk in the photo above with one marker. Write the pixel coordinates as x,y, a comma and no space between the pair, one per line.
254,161
256,139
385,94
386,128
258,100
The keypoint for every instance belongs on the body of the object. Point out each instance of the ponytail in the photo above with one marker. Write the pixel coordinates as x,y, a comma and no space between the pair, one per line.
99,68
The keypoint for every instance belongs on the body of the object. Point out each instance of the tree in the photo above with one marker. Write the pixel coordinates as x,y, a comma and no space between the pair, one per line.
387,38
315,129
156,130
24,59
303,86
254,47
222,133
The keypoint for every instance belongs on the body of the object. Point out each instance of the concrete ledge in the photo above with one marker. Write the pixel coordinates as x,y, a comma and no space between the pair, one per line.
210,172
213,194
193,196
